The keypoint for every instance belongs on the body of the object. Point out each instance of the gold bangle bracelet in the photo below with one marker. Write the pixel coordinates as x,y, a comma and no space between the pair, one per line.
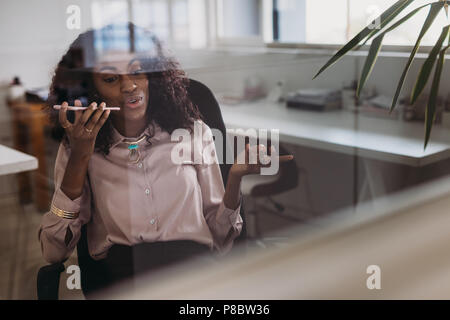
64,214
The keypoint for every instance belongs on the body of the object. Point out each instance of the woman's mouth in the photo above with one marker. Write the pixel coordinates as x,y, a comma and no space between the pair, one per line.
134,102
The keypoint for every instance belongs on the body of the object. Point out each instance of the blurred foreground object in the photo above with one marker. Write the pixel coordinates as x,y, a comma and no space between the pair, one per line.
406,235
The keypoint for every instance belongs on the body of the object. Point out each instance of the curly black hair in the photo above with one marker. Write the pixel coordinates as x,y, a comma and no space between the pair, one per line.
169,104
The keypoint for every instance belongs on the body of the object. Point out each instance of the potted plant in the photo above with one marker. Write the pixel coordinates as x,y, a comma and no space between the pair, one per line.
376,32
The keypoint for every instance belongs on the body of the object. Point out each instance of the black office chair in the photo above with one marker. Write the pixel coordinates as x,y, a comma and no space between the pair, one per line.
91,270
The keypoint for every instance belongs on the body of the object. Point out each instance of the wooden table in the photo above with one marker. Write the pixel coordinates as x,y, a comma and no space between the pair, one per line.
29,122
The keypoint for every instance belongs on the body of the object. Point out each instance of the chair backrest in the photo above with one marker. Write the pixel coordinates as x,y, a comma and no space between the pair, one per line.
208,106
201,95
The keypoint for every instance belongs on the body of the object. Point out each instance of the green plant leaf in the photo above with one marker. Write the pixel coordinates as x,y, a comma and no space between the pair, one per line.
376,46
434,10
428,65
370,62
398,23
430,112
384,19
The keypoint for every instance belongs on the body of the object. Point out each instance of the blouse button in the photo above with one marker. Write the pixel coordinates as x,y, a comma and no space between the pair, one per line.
147,191
140,165
152,221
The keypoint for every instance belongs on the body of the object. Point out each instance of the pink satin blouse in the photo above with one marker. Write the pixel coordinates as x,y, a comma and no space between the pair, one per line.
152,200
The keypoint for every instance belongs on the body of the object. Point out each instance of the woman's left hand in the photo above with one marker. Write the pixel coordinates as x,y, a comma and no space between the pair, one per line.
245,163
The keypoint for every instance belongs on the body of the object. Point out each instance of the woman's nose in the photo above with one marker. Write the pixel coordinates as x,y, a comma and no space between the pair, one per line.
127,84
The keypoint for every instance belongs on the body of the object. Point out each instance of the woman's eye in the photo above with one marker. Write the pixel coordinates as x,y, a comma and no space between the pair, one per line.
110,79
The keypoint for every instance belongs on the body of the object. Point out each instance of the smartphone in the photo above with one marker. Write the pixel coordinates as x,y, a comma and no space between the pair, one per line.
57,107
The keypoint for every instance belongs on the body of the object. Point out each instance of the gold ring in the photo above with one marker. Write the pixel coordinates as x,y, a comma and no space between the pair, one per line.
65,126
88,130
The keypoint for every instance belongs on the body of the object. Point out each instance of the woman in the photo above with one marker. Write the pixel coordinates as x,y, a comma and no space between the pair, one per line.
114,170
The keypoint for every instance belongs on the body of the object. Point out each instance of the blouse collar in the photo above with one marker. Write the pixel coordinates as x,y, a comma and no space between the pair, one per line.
152,128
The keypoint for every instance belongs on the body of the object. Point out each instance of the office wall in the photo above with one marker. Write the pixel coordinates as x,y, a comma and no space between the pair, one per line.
34,36
296,71
229,73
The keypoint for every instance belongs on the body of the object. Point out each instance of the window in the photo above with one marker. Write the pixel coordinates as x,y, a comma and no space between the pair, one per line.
337,21
177,22
250,22
239,21
153,15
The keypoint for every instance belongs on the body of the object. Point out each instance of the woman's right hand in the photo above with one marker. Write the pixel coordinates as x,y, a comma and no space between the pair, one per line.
83,132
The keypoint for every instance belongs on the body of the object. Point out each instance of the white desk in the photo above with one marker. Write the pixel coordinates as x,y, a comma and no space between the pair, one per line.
381,139
13,161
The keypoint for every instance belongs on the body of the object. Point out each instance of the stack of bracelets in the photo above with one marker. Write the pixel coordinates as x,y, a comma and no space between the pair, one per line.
64,214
